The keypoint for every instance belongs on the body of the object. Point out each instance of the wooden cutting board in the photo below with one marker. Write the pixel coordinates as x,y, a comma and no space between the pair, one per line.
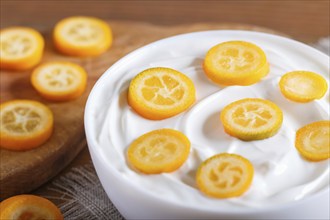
21,172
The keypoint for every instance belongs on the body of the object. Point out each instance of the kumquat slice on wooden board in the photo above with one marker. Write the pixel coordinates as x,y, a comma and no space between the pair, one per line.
24,124
251,119
21,48
236,63
225,175
29,207
59,81
313,141
159,151
82,36
303,86
159,93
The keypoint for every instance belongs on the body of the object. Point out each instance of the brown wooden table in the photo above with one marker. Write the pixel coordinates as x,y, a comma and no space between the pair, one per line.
306,21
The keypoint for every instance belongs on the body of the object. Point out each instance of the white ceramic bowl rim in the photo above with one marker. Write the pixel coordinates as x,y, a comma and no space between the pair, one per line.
89,108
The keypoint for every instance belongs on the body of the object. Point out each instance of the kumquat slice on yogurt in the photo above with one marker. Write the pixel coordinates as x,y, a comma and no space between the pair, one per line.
159,93
236,63
21,48
251,119
313,141
303,86
82,36
158,151
59,81
225,175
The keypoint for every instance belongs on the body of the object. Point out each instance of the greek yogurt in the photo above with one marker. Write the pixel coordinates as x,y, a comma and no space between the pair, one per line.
281,174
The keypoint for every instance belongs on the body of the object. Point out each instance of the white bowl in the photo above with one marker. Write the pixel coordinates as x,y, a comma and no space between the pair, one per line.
111,125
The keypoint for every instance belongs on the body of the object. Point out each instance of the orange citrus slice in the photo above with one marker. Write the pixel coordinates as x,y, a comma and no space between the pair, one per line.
158,151
303,86
225,175
20,48
236,63
313,141
160,93
24,124
251,119
82,36
59,81
26,207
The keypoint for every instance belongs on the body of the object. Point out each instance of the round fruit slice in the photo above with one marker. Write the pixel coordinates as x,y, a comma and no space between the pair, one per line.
160,93
82,36
158,151
303,86
225,175
59,81
236,63
251,119
312,141
20,48
24,124
29,207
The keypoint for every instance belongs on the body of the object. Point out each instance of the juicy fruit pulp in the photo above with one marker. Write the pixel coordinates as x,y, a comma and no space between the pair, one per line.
59,81
225,175
160,93
26,207
158,151
236,63
82,36
24,124
20,48
251,119
303,86
313,141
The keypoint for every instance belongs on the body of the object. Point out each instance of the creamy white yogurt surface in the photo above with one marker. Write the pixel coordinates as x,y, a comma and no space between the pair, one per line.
281,174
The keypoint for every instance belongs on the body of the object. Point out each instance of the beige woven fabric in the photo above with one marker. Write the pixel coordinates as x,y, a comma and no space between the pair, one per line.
82,196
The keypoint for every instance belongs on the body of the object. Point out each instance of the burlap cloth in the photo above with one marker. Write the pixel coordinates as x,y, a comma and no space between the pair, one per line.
82,194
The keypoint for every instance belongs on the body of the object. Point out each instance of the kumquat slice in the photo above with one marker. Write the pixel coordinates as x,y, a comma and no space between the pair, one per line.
28,207
82,36
24,124
236,63
160,93
21,48
59,81
313,141
158,151
251,119
303,86
225,175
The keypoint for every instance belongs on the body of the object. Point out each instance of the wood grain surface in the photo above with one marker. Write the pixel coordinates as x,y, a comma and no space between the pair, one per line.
21,172
305,20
